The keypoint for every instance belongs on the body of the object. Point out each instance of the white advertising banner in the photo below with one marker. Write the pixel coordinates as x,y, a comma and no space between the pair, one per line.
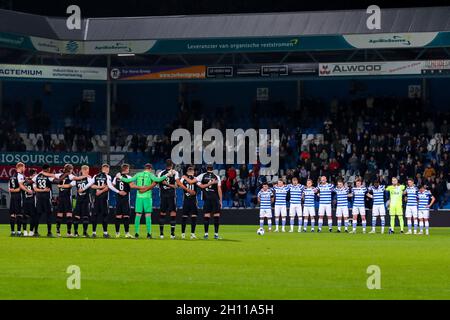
118,47
390,40
52,72
381,68
92,47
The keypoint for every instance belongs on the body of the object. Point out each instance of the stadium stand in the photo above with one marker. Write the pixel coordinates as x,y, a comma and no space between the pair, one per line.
354,127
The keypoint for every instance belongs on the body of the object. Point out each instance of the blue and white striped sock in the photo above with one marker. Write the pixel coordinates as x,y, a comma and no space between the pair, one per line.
261,223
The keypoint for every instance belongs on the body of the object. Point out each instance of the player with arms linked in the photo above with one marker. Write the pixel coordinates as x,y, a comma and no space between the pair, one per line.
209,182
167,194
16,188
123,200
265,199
188,184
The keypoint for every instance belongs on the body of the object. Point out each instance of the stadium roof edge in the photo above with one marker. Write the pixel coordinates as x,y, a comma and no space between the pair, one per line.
253,13
226,33
228,25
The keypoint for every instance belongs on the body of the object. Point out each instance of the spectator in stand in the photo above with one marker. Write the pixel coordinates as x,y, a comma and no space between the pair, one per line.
134,143
40,144
429,171
334,166
242,195
231,173
243,174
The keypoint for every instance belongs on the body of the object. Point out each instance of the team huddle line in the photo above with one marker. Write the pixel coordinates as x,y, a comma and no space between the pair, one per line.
31,198
302,205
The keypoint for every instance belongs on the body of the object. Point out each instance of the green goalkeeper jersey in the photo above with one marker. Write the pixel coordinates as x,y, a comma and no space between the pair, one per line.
144,179
396,195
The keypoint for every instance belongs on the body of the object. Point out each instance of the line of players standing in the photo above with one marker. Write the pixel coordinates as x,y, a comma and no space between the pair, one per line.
31,198
303,198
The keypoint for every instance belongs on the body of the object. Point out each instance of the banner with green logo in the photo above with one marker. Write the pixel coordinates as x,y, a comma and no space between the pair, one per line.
228,45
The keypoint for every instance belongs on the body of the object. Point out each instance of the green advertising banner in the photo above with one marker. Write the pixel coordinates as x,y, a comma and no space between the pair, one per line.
301,43
228,45
57,158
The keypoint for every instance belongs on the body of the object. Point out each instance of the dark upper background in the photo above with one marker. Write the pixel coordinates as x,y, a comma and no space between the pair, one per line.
102,8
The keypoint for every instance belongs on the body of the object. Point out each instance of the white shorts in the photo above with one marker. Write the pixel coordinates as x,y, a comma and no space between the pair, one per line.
265,213
378,210
342,211
325,209
411,212
280,210
295,210
424,214
359,210
309,211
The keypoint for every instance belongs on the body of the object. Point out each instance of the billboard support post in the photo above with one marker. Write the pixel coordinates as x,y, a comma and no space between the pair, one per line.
1,96
108,111
424,92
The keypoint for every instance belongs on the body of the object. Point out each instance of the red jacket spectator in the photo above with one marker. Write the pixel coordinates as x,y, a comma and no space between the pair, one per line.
305,155
231,173
334,165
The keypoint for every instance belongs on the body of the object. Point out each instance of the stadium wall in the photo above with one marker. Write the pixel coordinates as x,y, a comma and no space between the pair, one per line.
251,217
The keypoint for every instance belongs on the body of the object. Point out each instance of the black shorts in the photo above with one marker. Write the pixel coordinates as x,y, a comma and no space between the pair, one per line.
29,207
64,205
82,207
211,205
15,204
167,205
43,206
190,207
123,206
101,207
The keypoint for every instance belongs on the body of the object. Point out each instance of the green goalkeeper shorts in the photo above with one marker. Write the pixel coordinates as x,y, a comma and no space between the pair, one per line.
396,211
143,205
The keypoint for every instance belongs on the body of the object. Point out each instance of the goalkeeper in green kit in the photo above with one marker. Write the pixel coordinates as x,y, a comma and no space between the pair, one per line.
144,181
396,204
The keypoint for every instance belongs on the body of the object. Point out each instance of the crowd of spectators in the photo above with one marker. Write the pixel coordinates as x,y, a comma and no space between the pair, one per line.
373,137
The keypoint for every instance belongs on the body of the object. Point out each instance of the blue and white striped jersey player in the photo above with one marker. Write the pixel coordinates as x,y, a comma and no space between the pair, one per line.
342,195
280,192
376,192
309,205
411,213
295,204
426,201
325,196
265,199
359,195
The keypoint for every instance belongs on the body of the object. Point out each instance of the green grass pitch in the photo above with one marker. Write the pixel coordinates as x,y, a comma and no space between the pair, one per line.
243,265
